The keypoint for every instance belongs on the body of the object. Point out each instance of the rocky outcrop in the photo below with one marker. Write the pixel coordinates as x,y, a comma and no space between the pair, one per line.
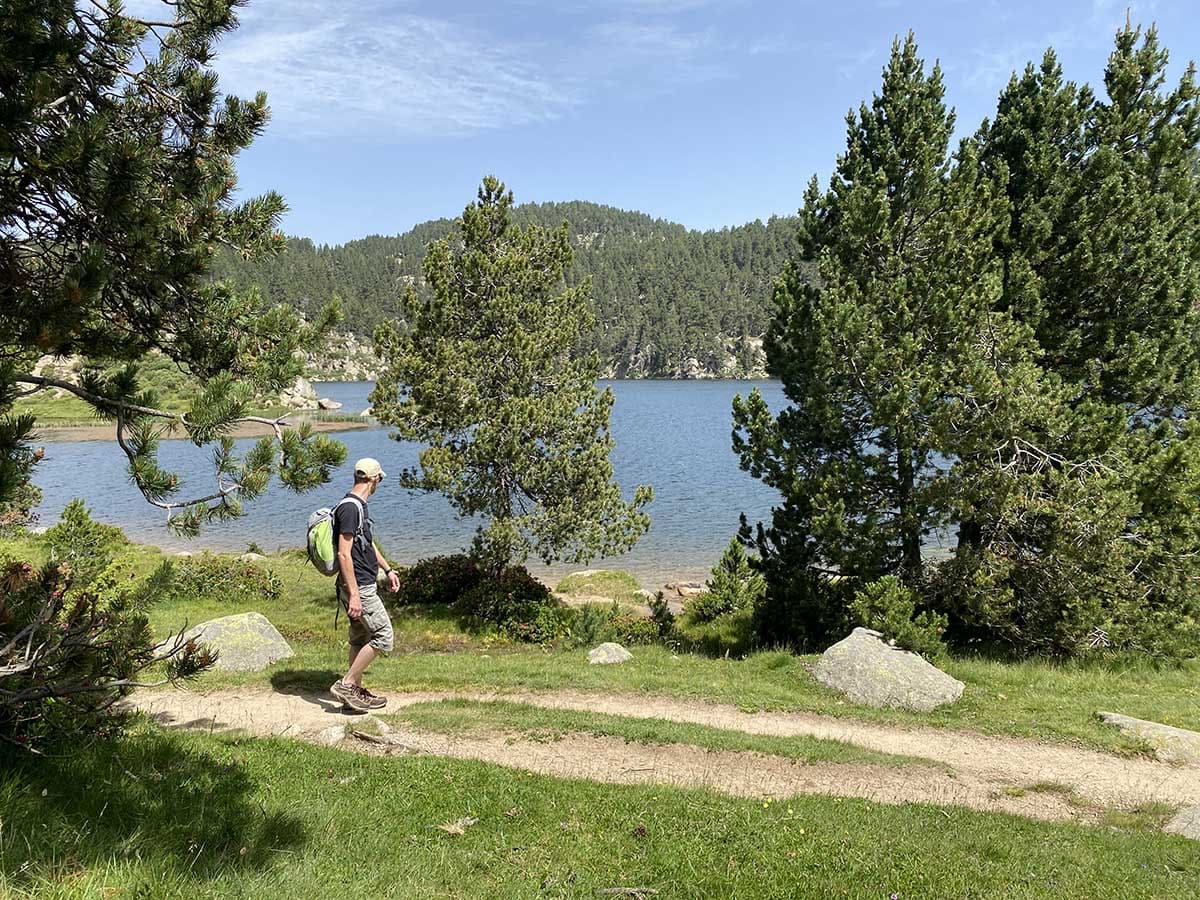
345,357
868,670
734,357
246,642
1171,744
300,395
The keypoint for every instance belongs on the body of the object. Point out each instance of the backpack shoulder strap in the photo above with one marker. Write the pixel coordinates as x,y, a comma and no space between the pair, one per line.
361,511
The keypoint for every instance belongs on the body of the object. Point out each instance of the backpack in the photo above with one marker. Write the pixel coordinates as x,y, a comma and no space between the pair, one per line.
322,547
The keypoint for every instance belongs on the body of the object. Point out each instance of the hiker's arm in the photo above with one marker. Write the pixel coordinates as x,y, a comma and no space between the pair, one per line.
388,569
346,567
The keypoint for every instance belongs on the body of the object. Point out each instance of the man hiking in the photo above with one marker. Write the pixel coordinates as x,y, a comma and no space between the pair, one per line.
359,563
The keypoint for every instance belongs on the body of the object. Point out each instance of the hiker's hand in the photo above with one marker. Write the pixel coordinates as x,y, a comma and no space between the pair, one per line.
393,581
354,607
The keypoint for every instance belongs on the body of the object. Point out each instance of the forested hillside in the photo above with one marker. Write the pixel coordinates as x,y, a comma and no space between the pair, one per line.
669,302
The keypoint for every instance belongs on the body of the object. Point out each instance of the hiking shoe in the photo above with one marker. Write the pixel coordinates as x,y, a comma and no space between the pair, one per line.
350,696
373,701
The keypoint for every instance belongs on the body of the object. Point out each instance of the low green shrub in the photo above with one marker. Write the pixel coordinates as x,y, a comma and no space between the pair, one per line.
437,580
734,586
633,628
516,604
83,543
592,623
887,606
74,636
224,580
729,634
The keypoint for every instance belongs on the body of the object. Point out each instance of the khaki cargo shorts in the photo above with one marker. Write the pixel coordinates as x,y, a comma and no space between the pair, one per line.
374,626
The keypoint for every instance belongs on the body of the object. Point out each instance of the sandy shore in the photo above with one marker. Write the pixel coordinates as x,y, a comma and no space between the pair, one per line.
108,432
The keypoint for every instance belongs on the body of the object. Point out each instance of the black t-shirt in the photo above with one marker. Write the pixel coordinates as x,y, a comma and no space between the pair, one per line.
362,552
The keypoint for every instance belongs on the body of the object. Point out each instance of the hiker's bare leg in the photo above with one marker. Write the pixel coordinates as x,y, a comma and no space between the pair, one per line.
359,664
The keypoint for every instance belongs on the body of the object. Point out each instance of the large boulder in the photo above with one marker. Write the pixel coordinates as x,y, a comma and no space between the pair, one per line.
608,654
1177,745
245,643
329,405
868,670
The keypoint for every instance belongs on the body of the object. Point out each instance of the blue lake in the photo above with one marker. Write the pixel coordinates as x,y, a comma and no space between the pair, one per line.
673,435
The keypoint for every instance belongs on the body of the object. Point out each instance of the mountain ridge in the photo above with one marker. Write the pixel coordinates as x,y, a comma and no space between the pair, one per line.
670,301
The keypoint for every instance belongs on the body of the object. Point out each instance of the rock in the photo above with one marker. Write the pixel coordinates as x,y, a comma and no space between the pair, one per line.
371,726
1186,823
686,588
245,642
368,412
869,671
300,395
332,736
251,557
645,595
608,654
327,404
183,554
1170,744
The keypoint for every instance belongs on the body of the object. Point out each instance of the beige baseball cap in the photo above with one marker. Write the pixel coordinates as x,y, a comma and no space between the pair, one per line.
369,468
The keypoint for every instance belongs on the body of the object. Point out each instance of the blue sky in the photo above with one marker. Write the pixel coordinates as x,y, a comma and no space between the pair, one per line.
706,112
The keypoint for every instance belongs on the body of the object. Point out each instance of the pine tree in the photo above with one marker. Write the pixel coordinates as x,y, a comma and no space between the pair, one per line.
872,355
1080,526
483,371
116,189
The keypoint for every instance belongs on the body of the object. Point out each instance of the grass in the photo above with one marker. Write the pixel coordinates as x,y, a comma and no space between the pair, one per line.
490,717
609,584
1032,699
174,391
171,814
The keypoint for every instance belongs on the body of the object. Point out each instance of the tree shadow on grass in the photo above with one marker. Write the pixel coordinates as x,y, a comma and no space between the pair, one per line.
157,800
304,682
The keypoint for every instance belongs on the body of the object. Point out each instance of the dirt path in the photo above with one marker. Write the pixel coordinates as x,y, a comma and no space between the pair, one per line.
967,769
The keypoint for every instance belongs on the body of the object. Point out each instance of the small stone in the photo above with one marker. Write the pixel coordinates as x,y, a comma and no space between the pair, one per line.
184,554
685,588
251,557
332,736
1171,744
867,670
608,654
327,404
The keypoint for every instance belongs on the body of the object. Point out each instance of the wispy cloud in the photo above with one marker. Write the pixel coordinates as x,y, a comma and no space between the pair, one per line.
368,68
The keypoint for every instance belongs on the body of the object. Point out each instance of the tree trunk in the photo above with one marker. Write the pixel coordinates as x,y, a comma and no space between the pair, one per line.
910,522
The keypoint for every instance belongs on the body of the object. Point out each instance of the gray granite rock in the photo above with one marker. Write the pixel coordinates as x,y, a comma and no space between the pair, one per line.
608,654
328,404
332,736
867,670
251,557
1170,744
245,643
1186,823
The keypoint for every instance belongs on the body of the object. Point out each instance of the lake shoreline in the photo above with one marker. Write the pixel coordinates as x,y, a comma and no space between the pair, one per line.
108,432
